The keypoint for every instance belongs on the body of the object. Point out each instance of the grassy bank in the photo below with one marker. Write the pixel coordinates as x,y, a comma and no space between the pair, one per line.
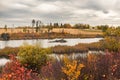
7,51
56,33
79,48
19,36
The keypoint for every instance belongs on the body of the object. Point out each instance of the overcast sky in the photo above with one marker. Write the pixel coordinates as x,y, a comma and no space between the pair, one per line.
94,12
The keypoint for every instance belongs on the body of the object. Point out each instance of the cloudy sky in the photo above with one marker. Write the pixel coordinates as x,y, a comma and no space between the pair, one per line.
94,12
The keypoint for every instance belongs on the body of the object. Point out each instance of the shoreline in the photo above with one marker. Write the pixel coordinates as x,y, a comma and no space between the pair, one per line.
50,38
79,48
23,36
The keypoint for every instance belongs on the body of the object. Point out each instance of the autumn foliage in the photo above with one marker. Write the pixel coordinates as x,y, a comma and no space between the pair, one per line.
72,69
34,56
13,70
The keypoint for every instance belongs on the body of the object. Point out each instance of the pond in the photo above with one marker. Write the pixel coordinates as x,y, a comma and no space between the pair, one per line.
45,43
3,61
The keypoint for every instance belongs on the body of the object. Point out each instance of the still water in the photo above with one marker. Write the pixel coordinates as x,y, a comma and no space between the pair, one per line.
45,43
3,61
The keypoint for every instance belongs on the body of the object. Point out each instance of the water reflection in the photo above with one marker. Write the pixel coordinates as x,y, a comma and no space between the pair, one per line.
74,55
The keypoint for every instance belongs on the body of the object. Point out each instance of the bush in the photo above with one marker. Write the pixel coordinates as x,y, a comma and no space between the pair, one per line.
34,56
112,44
5,36
72,69
52,71
15,71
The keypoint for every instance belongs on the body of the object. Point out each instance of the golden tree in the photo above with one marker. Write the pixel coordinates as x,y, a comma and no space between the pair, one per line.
71,68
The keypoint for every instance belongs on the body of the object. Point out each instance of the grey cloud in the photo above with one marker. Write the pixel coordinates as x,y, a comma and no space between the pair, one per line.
22,11
93,5
105,11
14,13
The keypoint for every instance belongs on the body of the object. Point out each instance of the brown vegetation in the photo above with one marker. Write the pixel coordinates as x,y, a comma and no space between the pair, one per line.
79,48
7,51
21,33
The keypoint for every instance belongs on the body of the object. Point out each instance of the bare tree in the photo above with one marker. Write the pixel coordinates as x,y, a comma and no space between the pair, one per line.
5,28
37,26
33,24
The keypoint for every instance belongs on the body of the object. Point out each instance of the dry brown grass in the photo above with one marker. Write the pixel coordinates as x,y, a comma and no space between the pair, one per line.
79,48
18,33
77,31
57,30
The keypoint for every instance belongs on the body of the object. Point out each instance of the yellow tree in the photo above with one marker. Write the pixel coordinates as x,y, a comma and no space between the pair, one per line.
71,68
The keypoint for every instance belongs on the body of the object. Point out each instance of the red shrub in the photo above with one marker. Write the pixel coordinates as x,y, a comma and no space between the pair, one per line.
14,71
